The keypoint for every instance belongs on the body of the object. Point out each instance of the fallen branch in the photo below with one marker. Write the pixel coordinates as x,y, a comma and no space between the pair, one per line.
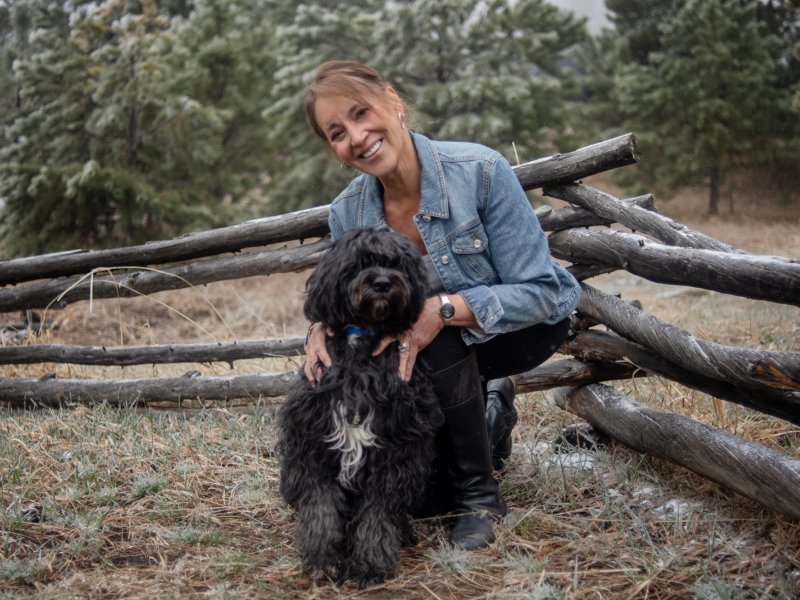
565,168
601,345
572,372
568,217
137,282
304,224
723,363
155,354
768,278
52,392
760,473
636,218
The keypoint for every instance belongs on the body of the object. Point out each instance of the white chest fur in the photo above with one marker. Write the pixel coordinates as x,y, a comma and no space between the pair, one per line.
351,439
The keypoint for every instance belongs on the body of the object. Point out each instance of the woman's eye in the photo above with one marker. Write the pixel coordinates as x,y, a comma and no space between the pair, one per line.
336,136
361,112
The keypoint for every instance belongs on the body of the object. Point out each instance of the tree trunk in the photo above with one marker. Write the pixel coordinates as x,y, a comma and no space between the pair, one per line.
714,182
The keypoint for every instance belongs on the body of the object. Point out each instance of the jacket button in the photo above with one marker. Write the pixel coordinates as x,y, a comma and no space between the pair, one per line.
477,243
445,259
426,217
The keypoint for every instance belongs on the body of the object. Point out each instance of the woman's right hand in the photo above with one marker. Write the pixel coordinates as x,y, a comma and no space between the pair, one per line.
317,357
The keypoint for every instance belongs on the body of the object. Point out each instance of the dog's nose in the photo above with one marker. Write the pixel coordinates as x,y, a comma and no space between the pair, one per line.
381,284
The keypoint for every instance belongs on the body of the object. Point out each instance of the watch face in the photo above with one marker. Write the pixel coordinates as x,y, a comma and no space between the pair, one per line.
447,311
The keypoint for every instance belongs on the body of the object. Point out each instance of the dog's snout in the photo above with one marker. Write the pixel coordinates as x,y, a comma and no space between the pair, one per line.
381,284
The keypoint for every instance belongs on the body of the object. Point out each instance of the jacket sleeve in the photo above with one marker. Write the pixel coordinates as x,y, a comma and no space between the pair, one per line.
532,287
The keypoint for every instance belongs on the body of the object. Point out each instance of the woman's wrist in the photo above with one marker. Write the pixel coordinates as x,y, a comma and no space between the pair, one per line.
462,315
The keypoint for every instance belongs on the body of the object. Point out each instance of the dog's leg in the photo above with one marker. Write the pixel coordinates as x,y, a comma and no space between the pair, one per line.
321,524
375,537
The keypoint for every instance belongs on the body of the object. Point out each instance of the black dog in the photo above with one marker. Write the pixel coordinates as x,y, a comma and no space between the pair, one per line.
356,449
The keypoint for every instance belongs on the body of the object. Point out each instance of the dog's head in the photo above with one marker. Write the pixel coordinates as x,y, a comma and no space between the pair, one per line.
370,279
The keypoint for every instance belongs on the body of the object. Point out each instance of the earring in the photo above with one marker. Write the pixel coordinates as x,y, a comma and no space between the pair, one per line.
402,118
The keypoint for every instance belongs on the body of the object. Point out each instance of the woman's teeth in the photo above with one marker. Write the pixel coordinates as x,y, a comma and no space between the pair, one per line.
373,149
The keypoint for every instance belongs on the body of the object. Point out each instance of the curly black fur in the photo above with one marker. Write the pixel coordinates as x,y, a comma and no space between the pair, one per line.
352,522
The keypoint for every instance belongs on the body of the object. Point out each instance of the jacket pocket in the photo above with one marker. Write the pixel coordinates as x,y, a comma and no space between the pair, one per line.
470,248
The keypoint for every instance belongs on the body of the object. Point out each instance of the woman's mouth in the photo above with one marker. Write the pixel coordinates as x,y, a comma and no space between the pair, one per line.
373,149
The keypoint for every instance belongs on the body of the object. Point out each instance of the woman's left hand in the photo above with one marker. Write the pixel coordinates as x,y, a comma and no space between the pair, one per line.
413,341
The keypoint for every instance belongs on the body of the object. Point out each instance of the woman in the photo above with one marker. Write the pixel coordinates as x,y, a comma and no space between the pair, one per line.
499,302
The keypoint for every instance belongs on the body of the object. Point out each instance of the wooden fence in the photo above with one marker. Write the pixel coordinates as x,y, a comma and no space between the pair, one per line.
633,343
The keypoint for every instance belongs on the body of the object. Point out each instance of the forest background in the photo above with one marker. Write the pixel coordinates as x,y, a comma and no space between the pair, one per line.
125,121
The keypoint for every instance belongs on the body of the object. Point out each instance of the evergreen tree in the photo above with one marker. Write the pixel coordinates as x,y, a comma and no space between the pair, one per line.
703,101
135,126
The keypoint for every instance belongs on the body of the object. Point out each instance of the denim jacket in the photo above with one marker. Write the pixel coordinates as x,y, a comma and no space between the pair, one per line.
481,232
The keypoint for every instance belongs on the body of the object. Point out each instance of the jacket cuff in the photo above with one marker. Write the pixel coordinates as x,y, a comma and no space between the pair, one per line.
486,307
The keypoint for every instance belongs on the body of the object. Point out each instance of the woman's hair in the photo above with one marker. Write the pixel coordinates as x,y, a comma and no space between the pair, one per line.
344,78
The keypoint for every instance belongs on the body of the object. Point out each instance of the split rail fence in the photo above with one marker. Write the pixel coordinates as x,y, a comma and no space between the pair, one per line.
631,343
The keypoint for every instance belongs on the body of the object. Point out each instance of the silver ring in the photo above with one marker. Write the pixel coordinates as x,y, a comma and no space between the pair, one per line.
404,347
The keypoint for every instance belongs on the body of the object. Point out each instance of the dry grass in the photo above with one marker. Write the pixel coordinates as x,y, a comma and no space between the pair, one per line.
102,503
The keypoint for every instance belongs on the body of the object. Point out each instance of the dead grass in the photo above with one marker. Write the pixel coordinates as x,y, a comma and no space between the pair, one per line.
102,503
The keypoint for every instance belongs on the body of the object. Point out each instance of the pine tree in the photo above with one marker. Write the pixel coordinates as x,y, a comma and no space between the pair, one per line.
703,101
135,125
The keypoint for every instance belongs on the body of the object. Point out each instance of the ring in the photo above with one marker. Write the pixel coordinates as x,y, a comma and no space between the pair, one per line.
404,347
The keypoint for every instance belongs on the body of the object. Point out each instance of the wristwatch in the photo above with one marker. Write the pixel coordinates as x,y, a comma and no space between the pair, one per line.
446,310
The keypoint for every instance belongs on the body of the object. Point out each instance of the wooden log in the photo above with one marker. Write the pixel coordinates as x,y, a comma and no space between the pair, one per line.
568,217
760,473
303,224
569,372
637,218
565,168
49,392
61,292
602,345
154,354
770,278
581,272
723,363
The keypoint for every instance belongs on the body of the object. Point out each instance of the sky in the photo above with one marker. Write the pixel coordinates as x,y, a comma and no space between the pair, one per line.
594,10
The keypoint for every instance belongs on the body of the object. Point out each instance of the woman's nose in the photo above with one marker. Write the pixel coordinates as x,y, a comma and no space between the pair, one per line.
358,134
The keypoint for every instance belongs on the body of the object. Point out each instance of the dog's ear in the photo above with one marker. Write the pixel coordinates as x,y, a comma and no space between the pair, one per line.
326,286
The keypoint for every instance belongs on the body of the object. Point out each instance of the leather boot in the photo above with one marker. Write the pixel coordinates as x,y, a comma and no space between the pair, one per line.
475,494
501,416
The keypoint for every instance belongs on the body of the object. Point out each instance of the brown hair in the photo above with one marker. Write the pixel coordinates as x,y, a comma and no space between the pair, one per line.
344,78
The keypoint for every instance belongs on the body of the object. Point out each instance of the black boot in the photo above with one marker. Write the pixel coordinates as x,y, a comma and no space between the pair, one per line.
501,416
475,494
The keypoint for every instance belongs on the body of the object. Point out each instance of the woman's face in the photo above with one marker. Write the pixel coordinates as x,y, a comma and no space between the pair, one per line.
370,138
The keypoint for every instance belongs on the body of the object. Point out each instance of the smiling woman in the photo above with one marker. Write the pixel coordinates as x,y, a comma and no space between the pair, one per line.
498,304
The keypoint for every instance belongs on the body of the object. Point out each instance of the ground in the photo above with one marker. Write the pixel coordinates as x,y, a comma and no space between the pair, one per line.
165,503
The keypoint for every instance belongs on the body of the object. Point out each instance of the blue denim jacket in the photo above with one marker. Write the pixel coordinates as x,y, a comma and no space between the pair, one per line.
481,232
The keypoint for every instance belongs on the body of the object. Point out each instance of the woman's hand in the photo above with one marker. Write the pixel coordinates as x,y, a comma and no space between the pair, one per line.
413,341
317,357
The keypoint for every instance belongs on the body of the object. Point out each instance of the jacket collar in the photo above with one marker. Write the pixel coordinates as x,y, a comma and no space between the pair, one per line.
433,192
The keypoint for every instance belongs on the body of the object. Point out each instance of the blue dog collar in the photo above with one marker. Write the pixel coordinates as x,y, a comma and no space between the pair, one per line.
357,331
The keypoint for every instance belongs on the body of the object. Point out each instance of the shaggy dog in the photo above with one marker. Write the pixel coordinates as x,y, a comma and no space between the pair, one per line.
356,449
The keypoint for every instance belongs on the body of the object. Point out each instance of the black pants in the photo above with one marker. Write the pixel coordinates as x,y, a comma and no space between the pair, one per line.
503,355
